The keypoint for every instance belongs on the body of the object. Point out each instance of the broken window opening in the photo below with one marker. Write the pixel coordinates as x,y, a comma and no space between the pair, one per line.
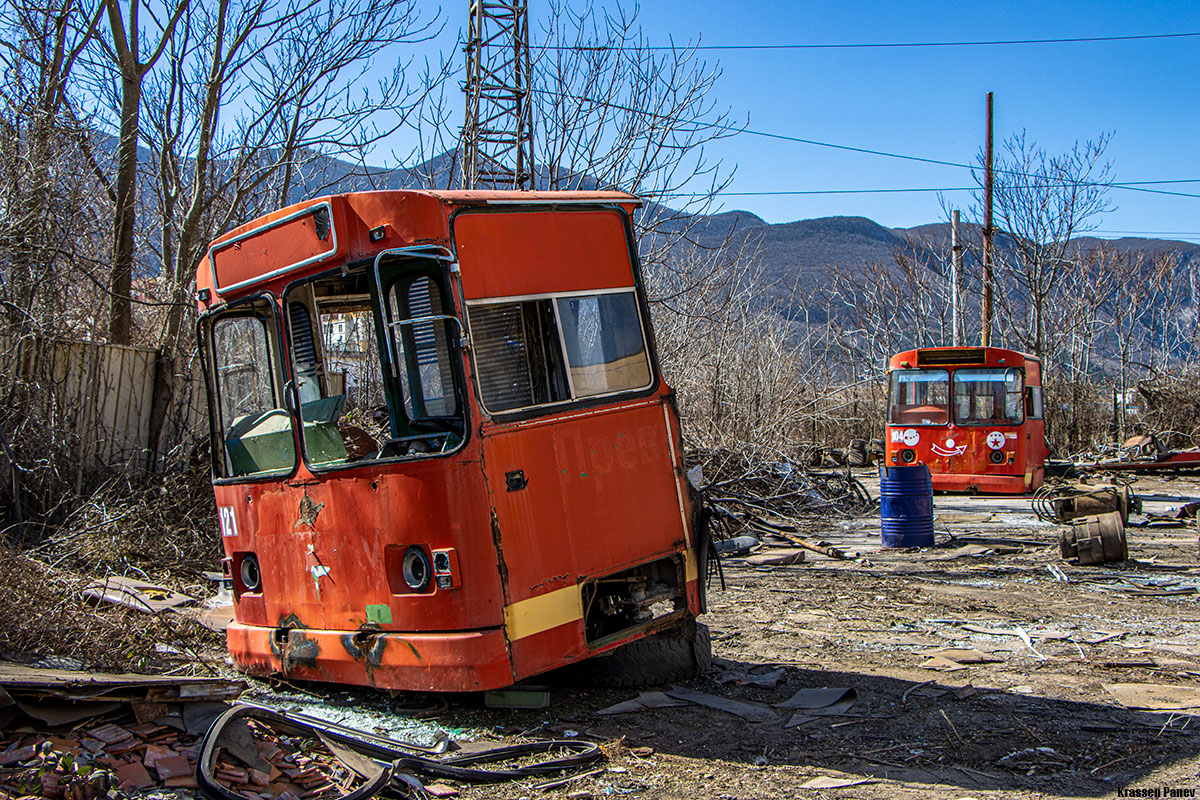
256,430
425,358
423,333
349,406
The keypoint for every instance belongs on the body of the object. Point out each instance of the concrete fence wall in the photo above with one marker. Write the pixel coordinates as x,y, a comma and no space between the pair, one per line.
97,402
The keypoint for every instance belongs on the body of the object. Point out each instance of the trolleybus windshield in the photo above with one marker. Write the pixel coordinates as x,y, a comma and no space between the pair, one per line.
988,397
919,397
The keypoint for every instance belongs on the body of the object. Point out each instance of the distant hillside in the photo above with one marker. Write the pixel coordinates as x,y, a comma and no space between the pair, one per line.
808,250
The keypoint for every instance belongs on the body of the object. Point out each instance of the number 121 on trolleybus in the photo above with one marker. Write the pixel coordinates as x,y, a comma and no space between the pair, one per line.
972,414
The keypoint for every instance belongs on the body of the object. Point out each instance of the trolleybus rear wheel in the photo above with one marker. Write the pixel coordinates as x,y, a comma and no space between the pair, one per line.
662,658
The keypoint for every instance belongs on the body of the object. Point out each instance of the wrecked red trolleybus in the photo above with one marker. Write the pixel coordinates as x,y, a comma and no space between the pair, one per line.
972,414
443,456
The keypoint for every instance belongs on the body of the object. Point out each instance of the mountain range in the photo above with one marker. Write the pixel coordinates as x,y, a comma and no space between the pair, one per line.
807,250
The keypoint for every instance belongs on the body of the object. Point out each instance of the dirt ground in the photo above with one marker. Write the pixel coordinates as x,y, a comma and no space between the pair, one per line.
1033,719
1035,722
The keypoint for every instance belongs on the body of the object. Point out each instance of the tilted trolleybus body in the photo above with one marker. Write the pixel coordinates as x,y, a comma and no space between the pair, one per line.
443,456
972,414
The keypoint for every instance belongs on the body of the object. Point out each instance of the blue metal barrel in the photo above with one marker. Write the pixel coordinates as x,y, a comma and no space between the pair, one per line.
906,506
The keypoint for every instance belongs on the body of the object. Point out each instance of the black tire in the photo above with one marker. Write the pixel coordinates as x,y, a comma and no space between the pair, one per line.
654,660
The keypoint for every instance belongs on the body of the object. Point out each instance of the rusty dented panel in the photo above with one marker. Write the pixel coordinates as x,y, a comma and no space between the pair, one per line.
601,493
326,568
463,661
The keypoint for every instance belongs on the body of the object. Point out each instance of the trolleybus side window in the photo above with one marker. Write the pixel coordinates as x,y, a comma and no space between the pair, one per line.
988,397
1034,408
602,336
919,397
256,430
536,352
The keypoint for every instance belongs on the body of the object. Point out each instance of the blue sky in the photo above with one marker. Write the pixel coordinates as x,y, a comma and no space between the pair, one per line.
929,102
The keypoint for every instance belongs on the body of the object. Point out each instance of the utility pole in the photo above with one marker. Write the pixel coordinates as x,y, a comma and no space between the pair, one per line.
497,135
956,282
989,250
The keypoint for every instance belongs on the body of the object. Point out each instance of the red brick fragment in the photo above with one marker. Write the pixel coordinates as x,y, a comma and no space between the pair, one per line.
154,752
20,754
441,790
232,774
66,745
125,747
172,767
110,734
181,782
134,775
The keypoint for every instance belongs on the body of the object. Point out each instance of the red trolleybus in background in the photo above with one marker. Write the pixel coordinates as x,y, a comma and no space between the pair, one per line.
443,456
972,414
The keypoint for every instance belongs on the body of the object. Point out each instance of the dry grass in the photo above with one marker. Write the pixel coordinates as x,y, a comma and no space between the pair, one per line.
160,528
42,613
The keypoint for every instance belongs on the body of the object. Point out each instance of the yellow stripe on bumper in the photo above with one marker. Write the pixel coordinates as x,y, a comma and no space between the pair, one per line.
541,613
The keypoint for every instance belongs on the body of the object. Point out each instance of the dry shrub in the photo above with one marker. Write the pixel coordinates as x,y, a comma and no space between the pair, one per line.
1170,408
42,613
162,528
158,528
1078,416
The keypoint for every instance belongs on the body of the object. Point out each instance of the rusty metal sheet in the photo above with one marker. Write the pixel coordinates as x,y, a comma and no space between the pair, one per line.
149,598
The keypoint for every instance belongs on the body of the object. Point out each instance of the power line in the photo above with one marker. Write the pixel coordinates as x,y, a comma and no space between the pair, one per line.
873,45
1132,185
1136,186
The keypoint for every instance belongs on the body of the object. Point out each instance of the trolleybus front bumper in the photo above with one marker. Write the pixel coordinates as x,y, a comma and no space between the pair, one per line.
984,484
429,662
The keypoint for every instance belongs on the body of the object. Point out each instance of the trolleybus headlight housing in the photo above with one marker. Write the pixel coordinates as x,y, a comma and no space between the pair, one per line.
249,573
997,457
416,569
908,456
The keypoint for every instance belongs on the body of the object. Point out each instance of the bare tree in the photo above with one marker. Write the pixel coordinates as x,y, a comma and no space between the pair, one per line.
1042,202
297,72
610,111
46,200
125,50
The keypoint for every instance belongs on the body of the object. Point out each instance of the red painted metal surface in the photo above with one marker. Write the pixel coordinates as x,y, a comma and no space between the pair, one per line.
959,456
605,485
508,255
446,662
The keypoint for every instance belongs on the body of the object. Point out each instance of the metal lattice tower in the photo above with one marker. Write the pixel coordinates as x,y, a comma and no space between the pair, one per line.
497,137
